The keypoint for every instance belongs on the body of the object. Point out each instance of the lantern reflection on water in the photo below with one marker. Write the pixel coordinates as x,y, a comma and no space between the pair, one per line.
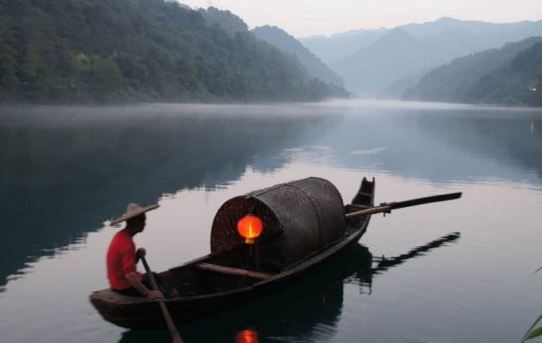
246,336
250,227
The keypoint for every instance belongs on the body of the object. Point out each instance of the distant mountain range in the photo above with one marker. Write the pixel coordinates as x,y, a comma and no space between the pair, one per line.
288,44
508,75
390,61
341,45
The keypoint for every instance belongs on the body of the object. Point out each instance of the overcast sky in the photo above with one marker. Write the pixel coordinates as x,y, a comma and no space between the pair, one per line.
312,17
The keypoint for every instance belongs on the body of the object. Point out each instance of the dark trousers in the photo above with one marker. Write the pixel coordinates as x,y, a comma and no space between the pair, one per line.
166,289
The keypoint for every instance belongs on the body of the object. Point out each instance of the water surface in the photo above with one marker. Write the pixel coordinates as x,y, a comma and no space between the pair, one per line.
451,272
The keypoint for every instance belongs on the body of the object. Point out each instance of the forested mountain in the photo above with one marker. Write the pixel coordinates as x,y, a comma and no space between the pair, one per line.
227,21
69,51
288,44
536,98
508,75
340,45
408,50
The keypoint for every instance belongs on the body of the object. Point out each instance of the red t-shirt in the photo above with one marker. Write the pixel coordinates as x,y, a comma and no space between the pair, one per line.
121,260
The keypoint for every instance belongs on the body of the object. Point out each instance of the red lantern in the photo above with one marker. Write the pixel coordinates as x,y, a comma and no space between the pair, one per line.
250,227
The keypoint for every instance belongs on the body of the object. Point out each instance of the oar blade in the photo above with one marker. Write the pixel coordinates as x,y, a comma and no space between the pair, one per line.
425,200
387,207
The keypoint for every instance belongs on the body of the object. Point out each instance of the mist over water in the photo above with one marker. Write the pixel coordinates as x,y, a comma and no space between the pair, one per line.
453,272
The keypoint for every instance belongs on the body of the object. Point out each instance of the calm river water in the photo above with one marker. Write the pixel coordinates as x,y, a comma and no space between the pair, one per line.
460,271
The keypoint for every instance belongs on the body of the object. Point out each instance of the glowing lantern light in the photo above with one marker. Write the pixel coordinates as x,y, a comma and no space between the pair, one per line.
247,336
250,227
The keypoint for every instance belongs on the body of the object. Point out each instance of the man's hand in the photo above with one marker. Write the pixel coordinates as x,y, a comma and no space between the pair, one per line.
141,252
155,295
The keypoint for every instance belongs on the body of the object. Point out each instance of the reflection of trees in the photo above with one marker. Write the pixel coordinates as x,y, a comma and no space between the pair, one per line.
64,173
308,311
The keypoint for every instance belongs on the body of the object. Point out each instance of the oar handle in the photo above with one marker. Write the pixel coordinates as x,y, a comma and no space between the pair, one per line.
388,207
369,211
171,326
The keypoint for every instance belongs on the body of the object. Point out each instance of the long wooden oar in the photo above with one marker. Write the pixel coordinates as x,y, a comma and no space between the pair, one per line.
388,207
172,328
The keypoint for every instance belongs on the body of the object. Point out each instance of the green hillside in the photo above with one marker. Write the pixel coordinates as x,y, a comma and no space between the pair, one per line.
513,83
79,51
498,76
227,21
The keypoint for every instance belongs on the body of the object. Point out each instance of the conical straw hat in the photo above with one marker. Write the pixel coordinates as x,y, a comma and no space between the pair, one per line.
132,211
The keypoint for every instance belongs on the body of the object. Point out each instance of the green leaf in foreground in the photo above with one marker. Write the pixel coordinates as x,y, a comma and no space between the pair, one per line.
533,334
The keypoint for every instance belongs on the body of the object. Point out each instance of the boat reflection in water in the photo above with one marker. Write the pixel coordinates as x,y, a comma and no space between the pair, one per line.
307,311
247,336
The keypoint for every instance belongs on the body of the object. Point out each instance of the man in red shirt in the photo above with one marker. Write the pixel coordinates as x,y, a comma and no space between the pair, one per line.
122,256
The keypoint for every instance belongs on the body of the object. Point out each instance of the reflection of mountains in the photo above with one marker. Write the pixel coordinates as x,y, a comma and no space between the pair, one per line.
65,171
308,311
442,145
509,140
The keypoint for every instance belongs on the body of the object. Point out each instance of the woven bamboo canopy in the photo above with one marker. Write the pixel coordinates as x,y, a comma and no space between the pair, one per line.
300,218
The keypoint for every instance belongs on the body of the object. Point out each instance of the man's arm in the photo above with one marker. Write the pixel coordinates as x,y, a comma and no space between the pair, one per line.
131,275
140,287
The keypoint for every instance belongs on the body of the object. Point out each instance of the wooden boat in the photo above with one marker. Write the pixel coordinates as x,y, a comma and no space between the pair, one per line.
304,225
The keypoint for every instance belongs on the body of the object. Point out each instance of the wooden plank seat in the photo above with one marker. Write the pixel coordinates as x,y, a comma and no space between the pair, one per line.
232,271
